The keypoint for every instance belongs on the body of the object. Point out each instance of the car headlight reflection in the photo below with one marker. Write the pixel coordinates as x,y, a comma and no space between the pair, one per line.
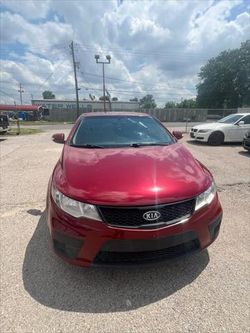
206,197
73,207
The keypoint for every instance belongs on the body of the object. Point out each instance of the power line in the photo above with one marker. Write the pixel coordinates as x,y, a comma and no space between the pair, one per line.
93,89
3,92
139,82
41,48
117,79
132,92
170,52
42,84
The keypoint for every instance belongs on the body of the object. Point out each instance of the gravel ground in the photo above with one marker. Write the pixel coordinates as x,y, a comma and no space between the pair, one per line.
207,292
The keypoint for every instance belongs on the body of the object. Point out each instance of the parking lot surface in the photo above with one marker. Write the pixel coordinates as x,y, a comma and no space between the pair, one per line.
205,292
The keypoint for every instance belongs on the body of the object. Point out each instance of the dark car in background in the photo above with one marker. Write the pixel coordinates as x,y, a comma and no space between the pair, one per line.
246,141
4,124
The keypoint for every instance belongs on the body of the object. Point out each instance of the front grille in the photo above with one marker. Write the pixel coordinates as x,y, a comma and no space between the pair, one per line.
130,258
132,217
246,143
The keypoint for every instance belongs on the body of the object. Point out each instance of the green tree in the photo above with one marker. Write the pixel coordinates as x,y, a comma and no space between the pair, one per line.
187,104
134,99
147,102
114,99
225,79
170,105
47,94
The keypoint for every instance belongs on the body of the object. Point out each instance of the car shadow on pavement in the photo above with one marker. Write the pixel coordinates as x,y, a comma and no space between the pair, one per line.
56,284
35,212
225,144
205,144
245,153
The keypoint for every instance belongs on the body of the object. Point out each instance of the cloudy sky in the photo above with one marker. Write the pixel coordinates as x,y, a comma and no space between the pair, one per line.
156,47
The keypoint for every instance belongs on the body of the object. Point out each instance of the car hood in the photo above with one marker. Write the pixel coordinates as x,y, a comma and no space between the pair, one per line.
130,176
211,126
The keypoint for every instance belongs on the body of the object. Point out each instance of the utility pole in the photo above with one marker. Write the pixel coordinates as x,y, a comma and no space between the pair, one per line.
97,57
18,122
21,91
76,83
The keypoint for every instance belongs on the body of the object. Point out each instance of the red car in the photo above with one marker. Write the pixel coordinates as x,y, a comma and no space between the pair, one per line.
124,191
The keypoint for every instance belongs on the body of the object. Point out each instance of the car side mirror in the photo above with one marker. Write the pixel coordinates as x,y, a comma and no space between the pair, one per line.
178,135
58,137
241,123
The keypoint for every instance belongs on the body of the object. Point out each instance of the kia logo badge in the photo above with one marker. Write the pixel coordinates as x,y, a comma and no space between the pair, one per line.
151,215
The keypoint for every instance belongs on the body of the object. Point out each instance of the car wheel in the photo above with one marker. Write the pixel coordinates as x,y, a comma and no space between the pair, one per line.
216,138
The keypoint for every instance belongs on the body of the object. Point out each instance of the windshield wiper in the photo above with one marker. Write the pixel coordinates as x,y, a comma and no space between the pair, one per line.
87,145
140,144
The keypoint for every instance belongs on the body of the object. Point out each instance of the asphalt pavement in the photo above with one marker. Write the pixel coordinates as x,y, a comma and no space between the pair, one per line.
205,292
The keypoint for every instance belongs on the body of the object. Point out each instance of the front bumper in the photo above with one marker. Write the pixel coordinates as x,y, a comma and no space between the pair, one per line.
246,143
86,242
4,128
199,136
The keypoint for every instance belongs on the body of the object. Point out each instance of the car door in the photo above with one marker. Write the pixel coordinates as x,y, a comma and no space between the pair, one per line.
241,129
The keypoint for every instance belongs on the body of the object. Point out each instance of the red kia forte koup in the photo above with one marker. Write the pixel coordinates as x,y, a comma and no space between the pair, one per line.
124,191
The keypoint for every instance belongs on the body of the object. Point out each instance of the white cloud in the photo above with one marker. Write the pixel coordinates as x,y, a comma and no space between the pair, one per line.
157,45
39,38
31,9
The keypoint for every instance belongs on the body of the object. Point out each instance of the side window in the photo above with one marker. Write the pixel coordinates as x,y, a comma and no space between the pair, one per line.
246,120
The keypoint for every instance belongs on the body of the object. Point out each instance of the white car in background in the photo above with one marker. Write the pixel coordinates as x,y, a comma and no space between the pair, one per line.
229,129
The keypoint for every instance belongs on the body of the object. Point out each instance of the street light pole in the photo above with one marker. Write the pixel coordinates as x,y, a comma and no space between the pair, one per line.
103,87
97,57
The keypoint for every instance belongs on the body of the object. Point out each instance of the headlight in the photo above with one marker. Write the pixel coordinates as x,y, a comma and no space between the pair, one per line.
206,197
204,130
73,207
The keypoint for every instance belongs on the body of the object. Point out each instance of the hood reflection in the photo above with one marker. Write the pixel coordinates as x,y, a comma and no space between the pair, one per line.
131,175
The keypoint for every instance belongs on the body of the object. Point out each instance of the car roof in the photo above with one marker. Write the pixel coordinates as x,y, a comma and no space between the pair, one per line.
243,113
114,113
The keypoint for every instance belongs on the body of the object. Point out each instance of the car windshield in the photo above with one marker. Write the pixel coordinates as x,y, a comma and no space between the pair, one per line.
118,131
230,119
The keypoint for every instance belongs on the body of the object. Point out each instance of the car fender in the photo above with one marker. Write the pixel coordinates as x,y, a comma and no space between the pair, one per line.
226,131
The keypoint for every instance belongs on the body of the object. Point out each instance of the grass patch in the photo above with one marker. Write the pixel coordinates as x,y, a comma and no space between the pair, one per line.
23,131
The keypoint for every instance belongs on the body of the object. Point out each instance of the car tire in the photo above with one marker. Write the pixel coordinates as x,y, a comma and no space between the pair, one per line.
216,138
